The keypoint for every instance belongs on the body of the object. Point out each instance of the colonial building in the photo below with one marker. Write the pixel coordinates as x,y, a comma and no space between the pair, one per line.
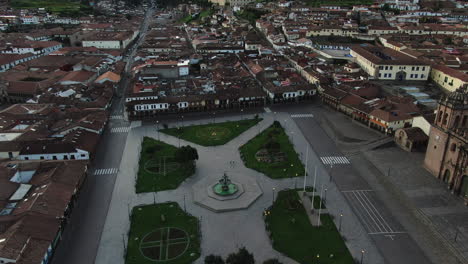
389,64
447,151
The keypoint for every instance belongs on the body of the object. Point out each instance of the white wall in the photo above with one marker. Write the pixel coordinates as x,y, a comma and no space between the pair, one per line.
79,155
422,123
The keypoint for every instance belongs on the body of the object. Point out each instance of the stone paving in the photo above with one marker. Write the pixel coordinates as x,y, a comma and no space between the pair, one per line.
438,218
223,233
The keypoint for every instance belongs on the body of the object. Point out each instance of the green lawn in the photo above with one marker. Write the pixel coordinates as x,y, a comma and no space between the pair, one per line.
166,245
212,134
151,167
291,167
294,236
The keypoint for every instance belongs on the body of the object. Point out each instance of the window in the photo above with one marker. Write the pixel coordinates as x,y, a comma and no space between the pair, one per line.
417,68
411,75
42,157
386,67
457,120
391,67
389,75
412,68
445,79
415,76
453,147
423,68
54,157
464,121
422,76
380,67
83,155
72,157
26,158
380,75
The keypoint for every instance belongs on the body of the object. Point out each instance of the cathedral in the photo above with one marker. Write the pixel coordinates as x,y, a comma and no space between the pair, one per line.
447,150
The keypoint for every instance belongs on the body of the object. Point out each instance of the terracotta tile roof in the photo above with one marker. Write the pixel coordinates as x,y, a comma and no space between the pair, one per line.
113,77
385,56
451,72
78,76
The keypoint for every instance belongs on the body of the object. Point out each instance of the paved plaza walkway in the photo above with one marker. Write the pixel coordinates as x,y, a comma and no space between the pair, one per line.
223,233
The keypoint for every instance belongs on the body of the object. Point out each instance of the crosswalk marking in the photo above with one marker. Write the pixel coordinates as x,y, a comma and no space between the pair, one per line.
367,211
106,171
302,115
120,129
116,117
335,160
267,110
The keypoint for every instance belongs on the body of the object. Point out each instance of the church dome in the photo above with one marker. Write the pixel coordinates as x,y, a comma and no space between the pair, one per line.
458,98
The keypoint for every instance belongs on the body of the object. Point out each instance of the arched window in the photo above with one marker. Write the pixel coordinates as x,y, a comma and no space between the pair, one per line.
444,122
457,120
440,116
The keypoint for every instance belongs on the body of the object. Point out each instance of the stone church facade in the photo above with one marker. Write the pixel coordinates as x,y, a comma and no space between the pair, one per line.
447,150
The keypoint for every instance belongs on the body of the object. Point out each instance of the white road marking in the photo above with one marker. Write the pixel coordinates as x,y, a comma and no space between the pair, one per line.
116,117
120,129
370,216
302,116
106,171
335,160
267,110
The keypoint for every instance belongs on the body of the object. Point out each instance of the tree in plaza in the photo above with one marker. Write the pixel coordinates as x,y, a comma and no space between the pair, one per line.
241,257
213,259
272,261
186,154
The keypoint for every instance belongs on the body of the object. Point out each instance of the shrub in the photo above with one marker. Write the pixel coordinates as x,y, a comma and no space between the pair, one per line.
241,257
213,259
272,261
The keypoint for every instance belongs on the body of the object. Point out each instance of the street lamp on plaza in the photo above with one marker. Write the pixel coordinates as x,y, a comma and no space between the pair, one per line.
157,127
273,194
241,111
362,256
341,219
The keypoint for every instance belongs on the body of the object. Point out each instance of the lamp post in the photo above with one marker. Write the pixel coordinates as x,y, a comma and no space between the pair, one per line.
273,194
157,127
320,206
325,196
331,170
214,117
313,191
242,117
362,255
305,169
341,219
185,208
179,135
